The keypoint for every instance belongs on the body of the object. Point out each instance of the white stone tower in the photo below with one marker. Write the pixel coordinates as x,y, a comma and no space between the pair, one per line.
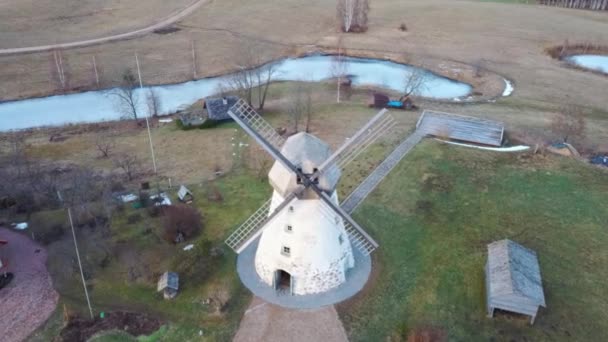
305,249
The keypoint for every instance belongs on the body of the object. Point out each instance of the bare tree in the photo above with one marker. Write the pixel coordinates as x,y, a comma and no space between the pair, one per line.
253,77
297,106
126,96
569,123
414,81
352,15
306,95
339,67
180,222
154,102
264,77
104,144
129,164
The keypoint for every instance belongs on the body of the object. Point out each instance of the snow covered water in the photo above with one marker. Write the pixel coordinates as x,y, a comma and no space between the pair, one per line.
593,62
100,105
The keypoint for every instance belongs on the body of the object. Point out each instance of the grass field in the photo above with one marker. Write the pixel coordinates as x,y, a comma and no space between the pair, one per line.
433,217
48,22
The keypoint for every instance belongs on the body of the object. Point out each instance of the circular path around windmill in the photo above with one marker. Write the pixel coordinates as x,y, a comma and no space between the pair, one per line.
356,278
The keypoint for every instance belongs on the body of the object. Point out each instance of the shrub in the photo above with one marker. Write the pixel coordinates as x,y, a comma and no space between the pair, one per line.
134,218
52,234
180,222
206,124
403,27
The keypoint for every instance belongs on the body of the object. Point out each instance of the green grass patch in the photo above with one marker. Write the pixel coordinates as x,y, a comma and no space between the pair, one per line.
433,217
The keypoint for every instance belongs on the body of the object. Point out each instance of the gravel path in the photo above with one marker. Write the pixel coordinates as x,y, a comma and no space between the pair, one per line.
370,183
174,17
270,323
29,299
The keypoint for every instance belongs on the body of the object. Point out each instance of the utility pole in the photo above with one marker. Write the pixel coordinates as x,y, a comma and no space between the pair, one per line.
194,75
84,284
141,87
96,74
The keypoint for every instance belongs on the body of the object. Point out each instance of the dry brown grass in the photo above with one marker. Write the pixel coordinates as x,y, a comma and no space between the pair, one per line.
509,37
42,22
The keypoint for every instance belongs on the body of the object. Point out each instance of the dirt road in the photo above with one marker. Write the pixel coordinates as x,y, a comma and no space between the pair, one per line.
270,323
174,17
29,299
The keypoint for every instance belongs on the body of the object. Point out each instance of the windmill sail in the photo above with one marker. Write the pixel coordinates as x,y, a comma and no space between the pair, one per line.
376,127
249,230
243,114
268,138
359,237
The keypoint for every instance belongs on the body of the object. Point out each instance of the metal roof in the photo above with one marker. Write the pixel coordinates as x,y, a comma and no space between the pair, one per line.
513,270
217,108
460,127
168,280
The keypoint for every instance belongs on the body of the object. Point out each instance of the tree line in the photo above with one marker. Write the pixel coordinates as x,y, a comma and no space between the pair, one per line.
596,5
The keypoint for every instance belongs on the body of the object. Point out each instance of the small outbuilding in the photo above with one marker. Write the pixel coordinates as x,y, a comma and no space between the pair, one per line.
185,195
461,128
168,284
378,100
217,108
513,281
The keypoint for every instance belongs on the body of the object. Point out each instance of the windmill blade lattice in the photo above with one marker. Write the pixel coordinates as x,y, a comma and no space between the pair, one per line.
357,239
249,230
376,127
257,123
362,240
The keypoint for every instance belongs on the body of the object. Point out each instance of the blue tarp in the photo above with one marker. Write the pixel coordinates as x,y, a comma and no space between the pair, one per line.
600,160
395,104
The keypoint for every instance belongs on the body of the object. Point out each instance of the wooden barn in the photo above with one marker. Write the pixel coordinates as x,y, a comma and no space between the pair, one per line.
513,281
461,128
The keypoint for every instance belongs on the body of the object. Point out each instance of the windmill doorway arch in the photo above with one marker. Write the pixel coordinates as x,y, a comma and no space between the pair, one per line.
283,282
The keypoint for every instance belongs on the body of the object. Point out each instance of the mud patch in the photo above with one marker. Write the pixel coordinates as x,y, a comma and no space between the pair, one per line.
80,329
167,30
436,183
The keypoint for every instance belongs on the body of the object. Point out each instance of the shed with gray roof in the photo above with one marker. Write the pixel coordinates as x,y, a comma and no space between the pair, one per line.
461,128
168,284
513,281
217,108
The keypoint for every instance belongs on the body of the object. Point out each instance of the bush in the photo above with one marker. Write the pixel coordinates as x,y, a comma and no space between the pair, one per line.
206,124
403,27
134,218
52,234
180,222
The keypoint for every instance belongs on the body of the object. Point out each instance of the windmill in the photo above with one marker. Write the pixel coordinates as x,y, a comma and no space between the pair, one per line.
306,238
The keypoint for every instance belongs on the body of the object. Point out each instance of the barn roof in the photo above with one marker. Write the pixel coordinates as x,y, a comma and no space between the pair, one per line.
168,280
217,108
460,127
513,270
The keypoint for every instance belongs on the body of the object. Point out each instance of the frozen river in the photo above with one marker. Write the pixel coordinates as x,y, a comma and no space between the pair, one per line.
99,105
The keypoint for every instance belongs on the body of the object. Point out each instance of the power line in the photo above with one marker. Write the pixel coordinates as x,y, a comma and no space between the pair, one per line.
147,121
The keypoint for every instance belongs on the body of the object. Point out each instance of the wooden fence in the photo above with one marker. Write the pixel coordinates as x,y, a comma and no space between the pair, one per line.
595,5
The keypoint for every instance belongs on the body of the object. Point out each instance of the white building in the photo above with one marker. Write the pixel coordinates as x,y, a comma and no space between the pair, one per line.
305,249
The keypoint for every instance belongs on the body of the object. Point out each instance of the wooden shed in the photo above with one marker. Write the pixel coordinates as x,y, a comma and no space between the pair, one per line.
461,128
217,108
168,284
513,281
185,195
